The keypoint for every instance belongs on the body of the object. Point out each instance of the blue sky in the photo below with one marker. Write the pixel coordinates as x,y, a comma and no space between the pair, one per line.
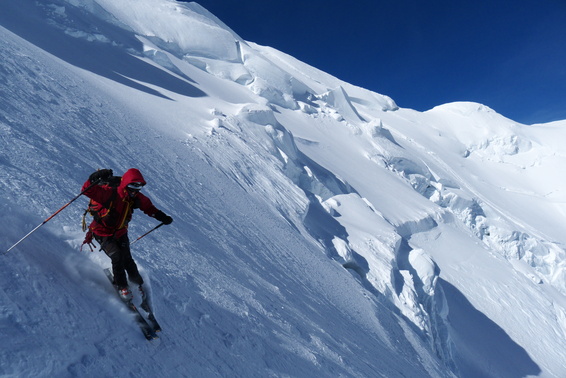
508,55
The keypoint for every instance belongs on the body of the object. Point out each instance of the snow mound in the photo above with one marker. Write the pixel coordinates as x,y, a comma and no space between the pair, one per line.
338,98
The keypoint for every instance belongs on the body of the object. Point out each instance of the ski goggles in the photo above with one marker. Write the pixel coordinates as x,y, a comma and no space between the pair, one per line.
135,186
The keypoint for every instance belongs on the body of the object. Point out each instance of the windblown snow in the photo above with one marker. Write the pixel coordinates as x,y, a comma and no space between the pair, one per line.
319,229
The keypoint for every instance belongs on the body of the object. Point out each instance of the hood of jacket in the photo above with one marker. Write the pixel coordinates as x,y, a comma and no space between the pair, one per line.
131,175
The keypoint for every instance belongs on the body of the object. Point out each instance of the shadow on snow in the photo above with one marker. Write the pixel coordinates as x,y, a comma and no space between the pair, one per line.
478,338
108,59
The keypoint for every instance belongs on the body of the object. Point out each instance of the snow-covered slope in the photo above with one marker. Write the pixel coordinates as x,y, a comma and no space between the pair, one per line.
319,230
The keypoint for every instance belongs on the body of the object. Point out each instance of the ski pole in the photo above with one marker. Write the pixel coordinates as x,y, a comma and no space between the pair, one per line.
51,217
153,229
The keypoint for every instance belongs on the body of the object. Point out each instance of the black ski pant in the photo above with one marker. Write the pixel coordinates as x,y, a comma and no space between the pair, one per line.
118,249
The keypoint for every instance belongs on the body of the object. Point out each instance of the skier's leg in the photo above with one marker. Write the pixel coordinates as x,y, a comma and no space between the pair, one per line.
113,250
128,261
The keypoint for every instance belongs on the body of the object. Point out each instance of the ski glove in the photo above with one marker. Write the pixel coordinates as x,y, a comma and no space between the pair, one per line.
101,174
162,217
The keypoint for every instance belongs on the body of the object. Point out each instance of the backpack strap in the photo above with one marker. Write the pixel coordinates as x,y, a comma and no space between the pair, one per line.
88,241
84,226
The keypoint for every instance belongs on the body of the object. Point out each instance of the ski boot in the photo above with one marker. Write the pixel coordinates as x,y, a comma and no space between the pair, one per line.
125,294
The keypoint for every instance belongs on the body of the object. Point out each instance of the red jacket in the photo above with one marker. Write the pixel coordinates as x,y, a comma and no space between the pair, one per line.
123,204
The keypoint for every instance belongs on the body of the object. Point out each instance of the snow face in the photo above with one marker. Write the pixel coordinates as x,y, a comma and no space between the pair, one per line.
180,29
319,230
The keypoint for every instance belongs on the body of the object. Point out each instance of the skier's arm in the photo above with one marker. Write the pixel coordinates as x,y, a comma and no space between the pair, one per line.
162,217
98,193
147,207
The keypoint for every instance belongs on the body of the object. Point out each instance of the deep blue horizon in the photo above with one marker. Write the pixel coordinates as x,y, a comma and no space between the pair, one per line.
510,56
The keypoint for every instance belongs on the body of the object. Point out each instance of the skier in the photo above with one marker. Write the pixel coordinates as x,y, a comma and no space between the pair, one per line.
110,224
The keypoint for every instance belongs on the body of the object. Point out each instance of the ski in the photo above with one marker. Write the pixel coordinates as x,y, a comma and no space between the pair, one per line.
147,329
150,316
